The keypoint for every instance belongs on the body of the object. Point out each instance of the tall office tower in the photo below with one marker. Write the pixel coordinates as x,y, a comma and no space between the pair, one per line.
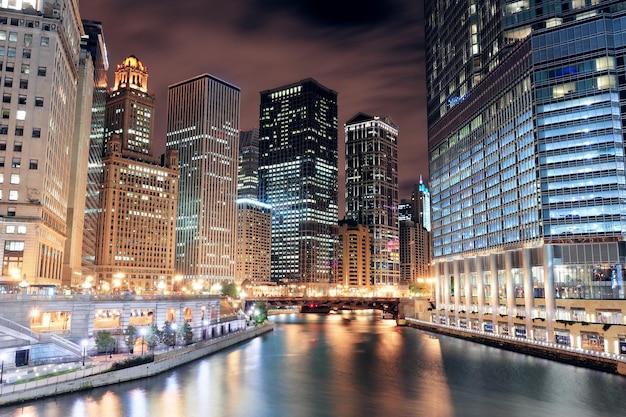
527,166
39,86
354,265
298,178
203,125
130,108
72,258
372,190
248,175
93,41
420,203
138,201
254,241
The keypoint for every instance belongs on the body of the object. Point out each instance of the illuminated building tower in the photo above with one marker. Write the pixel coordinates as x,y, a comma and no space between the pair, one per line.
203,125
40,42
526,163
254,241
248,175
298,178
72,257
138,202
93,43
130,108
354,265
414,236
372,190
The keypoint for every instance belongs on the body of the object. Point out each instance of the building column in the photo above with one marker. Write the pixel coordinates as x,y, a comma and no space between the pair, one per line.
510,288
548,272
495,300
480,287
457,292
529,296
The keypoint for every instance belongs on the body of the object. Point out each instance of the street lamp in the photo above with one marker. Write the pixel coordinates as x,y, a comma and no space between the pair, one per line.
84,344
24,284
2,357
162,286
143,338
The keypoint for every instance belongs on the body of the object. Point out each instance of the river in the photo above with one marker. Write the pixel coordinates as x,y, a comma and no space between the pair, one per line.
351,365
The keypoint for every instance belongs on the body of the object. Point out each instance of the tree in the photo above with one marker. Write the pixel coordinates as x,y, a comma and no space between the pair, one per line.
130,336
186,333
168,333
105,342
153,336
230,289
259,314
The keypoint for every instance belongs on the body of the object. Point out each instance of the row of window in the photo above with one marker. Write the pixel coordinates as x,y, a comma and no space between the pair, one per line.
24,69
16,162
21,99
19,131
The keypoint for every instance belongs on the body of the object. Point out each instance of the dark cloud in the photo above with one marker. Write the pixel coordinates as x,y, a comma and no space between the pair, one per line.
370,52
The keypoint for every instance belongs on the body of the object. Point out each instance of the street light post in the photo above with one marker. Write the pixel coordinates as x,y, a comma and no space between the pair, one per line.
84,344
143,338
2,357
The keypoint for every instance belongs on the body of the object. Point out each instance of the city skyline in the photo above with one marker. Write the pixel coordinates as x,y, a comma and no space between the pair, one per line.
369,52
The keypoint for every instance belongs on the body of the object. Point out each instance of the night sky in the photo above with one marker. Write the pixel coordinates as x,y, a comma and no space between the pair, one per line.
369,51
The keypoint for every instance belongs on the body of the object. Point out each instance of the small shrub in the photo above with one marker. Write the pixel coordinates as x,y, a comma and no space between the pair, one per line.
132,361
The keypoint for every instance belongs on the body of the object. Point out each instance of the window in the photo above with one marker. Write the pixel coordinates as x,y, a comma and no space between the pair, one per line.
33,164
41,71
21,230
36,132
26,53
14,245
3,35
45,41
17,146
19,130
10,229
28,39
23,84
2,51
12,36
6,97
25,69
3,145
20,115
8,82
15,179
11,52
13,195
10,67
21,99
38,101
1,161
6,113
10,213
16,162
4,129
1,178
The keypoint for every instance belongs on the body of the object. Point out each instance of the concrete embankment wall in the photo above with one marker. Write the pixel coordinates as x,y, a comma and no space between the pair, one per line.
539,350
163,362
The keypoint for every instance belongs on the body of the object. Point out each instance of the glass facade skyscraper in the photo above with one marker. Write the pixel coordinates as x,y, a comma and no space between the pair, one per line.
203,125
527,165
298,178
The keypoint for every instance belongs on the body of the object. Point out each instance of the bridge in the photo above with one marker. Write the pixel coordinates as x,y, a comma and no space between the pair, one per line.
388,305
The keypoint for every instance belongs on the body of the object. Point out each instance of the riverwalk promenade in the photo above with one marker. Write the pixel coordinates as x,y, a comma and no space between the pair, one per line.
96,371
601,361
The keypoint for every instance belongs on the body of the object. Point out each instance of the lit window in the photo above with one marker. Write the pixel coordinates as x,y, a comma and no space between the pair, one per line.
12,36
10,229
15,178
21,230
25,69
21,115
13,195
3,35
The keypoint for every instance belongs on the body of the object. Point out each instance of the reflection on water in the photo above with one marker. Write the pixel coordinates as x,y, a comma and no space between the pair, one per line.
351,365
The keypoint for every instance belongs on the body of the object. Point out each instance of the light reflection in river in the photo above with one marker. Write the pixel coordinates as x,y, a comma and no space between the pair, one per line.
351,365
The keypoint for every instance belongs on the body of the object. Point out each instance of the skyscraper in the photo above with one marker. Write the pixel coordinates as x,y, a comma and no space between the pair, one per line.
203,125
372,190
39,87
254,241
248,175
93,42
138,193
415,236
130,108
298,178
526,142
